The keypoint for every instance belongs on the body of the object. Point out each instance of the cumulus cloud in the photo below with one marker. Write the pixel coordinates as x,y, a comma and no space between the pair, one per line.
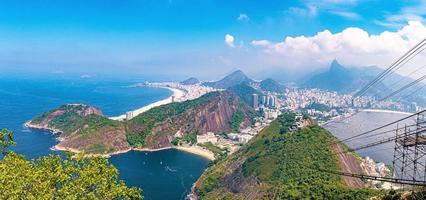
229,40
243,17
353,46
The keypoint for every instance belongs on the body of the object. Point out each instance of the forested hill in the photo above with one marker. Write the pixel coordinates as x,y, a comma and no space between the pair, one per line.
212,112
84,128
277,164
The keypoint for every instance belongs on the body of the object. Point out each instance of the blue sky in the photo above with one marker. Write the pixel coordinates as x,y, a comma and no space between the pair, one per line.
180,37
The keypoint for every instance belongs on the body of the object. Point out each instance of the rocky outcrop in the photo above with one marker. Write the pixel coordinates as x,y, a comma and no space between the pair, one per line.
83,128
211,113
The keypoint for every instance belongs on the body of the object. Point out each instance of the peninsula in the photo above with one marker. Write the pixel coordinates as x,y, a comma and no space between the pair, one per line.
84,128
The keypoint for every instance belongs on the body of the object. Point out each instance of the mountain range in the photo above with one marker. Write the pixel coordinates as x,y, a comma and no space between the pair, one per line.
340,79
239,81
350,80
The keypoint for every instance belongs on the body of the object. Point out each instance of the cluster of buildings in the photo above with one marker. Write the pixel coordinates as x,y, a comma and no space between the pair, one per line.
324,105
189,92
263,101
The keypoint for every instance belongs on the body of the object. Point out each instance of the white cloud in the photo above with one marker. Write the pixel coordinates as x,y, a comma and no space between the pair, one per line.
347,15
243,17
310,10
353,46
229,40
260,43
408,13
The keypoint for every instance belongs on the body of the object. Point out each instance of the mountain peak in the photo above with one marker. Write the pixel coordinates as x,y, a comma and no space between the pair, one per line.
238,72
271,85
235,78
190,81
336,67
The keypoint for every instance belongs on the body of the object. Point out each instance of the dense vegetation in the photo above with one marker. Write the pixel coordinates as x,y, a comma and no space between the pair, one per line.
141,126
220,153
280,165
52,177
72,121
237,119
271,85
319,107
245,92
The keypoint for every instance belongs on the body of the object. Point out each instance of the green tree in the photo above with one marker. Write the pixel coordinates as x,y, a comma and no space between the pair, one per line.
6,140
51,177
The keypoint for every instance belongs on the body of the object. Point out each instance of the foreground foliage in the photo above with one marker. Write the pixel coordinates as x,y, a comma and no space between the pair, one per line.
52,177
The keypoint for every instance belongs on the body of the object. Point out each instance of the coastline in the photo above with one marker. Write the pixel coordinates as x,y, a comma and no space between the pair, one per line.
196,150
386,111
42,128
176,93
58,147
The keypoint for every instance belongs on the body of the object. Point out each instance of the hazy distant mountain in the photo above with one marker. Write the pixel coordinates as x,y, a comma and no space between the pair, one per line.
345,80
190,81
271,85
235,78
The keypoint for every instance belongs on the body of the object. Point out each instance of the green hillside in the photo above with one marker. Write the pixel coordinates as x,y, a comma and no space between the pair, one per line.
142,125
83,128
277,164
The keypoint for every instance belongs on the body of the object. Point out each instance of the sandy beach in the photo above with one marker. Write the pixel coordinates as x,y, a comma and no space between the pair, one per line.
58,147
176,93
197,150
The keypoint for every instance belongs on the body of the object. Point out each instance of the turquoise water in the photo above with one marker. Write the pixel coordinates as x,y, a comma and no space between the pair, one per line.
162,175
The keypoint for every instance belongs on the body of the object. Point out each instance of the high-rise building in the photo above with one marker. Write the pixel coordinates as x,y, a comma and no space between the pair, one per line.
129,115
255,100
271,101
263,100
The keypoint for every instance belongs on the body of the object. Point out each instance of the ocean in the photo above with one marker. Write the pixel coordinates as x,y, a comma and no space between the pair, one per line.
167,174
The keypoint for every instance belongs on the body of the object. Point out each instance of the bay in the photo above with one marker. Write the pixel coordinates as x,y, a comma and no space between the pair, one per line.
167,174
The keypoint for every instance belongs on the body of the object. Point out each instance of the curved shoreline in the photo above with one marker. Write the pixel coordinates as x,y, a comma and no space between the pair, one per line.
386,111
197,150
176,93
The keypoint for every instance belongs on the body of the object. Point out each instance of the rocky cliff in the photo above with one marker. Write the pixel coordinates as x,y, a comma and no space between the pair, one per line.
210,113
83,128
